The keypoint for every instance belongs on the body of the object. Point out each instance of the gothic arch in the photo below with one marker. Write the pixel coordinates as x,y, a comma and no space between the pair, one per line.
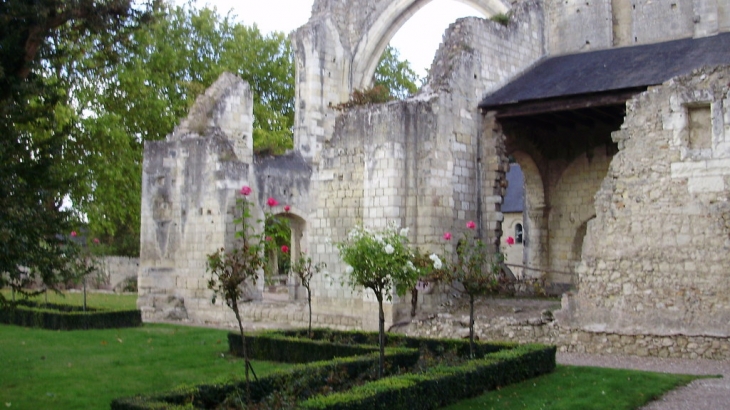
394,16
534,215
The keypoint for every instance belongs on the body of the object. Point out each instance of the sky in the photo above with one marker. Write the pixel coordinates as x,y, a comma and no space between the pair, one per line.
416,41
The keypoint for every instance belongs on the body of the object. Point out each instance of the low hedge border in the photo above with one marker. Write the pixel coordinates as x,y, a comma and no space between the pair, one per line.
294,346
440,386
307,380
67,317
501,364
277,346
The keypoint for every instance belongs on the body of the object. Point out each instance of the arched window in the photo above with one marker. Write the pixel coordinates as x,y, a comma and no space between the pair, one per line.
518,233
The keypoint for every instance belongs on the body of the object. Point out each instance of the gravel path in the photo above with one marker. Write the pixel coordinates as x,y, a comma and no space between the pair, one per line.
703,394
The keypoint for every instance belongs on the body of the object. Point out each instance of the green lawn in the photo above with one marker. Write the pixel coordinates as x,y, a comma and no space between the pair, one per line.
580,388
79,369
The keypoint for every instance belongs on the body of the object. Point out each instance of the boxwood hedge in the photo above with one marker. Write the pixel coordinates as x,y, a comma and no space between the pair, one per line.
66,317
319,385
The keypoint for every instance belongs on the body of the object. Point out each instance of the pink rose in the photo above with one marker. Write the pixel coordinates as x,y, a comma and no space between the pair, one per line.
246,190
96,240
272,202
510,240
73,233
286,208
447,236
471,225
268,239
284,248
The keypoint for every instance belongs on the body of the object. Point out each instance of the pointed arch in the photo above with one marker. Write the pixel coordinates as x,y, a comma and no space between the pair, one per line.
373,42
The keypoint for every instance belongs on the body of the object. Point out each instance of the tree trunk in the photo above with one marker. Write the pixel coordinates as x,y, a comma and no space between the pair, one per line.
84,291
309,303
245,352
414,301
471,326
381,335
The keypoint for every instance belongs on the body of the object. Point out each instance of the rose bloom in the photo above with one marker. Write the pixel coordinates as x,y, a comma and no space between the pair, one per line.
284,248
246,190
510,240
286,208
471,225
447,236
272,202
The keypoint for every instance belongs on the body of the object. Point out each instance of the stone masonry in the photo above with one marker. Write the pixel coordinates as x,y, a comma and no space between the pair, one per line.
633,222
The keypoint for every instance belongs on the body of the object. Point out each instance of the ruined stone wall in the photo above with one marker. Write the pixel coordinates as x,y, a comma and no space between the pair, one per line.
576,25
189,186
655,259
571,207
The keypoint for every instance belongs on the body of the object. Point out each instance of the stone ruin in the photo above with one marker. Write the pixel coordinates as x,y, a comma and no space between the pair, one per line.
617,111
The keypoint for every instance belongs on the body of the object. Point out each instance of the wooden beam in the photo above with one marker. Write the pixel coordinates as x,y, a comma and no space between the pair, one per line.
565,103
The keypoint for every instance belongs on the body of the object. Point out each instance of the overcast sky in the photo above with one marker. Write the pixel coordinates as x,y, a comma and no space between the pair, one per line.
417,40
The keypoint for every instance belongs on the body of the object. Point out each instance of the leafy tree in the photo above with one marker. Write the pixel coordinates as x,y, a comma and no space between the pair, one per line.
305,270
234,269
161,71
396,75
379,261
476,269
36,125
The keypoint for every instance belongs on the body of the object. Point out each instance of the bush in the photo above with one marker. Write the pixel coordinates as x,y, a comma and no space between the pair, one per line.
347,382
66,317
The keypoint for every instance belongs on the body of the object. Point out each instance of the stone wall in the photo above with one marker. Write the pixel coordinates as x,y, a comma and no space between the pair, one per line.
571,207
655,257
189,186
114,271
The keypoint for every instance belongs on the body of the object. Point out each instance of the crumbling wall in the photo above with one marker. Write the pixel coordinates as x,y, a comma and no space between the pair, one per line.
655,259
189,186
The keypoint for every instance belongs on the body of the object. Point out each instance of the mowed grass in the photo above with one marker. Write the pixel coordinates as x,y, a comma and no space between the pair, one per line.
86,369
115,301
580,388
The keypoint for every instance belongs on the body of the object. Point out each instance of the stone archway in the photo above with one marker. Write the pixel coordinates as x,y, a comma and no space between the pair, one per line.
391,19
337,52
534,219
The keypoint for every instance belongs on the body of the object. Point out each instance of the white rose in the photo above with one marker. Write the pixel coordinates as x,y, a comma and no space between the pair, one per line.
349,270
389,249
437,264
404,232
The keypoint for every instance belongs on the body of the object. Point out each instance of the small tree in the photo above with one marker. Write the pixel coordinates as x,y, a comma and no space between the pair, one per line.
305,269
231,270
379,261
476,269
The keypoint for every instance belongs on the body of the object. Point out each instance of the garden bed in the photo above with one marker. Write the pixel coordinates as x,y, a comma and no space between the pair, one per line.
54,316
425,373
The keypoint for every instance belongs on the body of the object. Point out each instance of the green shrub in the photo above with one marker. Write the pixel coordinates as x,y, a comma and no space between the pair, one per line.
67,317
300,382
441,385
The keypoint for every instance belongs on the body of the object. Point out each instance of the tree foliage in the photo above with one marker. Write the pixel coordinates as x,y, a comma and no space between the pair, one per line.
381,262
160,72
234,270
305,269
396,75
37,125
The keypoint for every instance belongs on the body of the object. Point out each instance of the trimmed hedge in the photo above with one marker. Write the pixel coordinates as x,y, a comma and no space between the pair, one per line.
278,347
303,381
440,386
67,317
299,344
500,364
